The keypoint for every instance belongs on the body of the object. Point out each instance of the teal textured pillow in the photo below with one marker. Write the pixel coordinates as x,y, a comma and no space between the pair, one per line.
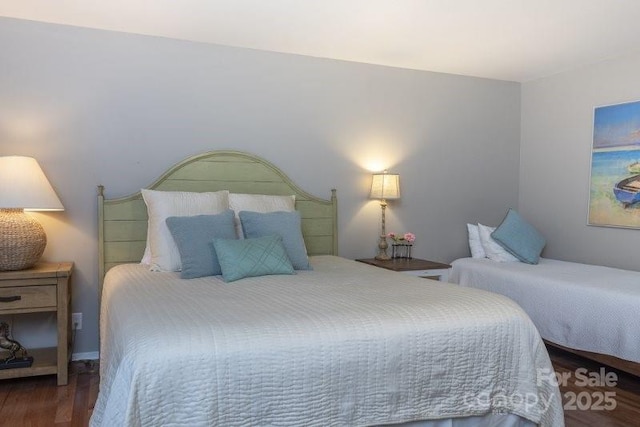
193,236
252,257
287,225
519,237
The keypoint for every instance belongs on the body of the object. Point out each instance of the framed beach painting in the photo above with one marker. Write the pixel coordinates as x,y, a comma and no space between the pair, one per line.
614,197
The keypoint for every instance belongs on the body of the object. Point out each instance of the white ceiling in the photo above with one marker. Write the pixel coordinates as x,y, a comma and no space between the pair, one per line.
518,40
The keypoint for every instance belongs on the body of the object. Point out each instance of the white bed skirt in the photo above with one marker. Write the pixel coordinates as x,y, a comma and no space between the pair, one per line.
489,420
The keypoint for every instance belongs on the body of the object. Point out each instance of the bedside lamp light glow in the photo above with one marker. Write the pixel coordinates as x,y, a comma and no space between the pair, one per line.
384,186
23,186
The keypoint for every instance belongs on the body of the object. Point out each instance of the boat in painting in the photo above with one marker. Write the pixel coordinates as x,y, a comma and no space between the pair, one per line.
634,167
627,191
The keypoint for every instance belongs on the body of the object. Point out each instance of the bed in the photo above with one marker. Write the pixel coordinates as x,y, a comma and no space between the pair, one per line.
341,344
587,309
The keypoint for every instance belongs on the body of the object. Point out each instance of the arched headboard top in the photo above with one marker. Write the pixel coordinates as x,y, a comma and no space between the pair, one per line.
122,222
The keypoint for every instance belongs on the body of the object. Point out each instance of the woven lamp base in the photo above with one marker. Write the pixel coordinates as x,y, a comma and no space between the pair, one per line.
22,240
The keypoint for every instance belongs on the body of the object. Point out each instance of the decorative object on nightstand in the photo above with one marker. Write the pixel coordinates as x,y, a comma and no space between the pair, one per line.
401,244
413,267
12,346
384,186
23,186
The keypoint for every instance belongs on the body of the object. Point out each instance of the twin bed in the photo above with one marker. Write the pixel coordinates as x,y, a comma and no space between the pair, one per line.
342,344
586,309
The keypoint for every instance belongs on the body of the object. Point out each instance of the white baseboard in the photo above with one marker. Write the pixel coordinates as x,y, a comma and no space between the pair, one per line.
91,355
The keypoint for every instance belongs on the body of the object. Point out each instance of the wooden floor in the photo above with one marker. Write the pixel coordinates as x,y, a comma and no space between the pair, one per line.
38,401
587,405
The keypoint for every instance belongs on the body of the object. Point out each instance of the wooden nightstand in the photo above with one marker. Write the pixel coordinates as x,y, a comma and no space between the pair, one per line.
413,267
42,288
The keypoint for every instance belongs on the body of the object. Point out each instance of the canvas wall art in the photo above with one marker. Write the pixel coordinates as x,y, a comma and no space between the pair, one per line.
614,198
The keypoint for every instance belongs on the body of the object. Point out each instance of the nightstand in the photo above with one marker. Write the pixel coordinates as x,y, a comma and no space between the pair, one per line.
42,288
413,267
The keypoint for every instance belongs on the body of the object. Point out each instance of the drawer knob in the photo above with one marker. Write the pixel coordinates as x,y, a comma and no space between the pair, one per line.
10,299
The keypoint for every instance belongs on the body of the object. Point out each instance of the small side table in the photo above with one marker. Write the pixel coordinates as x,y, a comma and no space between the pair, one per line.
45,287
413,267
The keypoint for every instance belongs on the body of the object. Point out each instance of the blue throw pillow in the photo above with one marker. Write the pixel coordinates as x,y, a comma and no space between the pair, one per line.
287,225
519,238
252,257
193,236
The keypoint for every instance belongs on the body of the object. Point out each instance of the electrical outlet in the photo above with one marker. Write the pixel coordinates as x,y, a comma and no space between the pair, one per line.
76,321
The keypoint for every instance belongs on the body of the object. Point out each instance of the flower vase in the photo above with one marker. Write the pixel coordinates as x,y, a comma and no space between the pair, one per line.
401,250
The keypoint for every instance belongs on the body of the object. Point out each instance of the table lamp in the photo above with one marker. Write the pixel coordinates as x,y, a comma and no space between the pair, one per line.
23,186
384,186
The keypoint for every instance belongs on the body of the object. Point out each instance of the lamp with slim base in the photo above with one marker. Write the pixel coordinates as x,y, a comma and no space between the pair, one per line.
384,186
23,186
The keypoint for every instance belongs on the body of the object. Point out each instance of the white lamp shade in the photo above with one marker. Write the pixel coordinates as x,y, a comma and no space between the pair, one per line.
385,186
23,185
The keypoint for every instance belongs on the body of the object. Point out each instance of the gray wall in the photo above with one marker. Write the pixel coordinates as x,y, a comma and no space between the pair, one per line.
557,126
97,107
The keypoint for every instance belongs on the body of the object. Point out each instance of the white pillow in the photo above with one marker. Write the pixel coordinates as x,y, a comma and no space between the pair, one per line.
262,203
163,204
491,248
475,245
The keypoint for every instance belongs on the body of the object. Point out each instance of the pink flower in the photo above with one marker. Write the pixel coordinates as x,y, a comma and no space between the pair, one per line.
407,237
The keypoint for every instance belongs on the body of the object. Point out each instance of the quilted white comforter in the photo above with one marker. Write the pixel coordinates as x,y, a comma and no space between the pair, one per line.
346,344
581,306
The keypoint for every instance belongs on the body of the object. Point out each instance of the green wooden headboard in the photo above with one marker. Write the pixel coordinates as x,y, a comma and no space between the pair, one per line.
122,222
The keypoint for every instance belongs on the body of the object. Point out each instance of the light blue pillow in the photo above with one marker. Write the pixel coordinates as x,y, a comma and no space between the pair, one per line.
193,236
519,238
287,225
260,256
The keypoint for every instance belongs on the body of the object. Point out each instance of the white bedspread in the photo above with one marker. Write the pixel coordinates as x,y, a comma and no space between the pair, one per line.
346,344
584,307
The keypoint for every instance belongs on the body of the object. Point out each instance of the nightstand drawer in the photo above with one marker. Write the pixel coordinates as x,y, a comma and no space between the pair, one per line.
441,274
28,297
